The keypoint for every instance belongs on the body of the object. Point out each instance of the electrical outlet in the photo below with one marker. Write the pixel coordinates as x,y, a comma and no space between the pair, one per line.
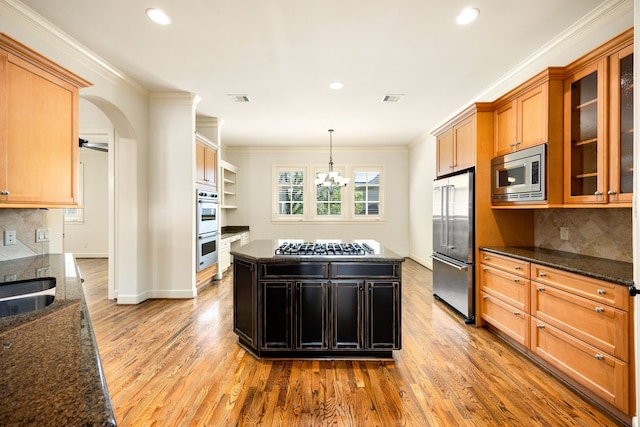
9,237
564,233
10,277
42,235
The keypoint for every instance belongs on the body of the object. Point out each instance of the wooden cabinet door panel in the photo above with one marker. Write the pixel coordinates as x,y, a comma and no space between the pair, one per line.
348,314
594,289
312,315
505,129
508,319
444,149
464,145
597,324
383,315
533,117
41,144
604,375
510,288
512,265
276,315
245,301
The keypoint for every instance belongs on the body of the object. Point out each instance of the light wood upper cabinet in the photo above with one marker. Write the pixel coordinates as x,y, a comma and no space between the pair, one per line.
456,147
522,123
38,129
598,159
206,164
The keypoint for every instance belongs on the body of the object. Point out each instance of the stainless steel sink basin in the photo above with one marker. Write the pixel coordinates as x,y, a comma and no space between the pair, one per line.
26,295
24,287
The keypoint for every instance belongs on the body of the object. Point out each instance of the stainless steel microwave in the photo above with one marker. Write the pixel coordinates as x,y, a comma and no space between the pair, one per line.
520,176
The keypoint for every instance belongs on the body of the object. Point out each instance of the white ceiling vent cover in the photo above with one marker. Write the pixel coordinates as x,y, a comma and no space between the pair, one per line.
239,97
392,98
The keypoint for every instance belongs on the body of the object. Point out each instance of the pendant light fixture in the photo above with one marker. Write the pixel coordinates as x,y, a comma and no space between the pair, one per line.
331,179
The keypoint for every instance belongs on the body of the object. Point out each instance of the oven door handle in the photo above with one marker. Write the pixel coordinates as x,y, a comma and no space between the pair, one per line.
450,264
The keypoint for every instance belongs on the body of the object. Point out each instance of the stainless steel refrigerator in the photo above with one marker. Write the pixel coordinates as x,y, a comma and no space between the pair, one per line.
453,243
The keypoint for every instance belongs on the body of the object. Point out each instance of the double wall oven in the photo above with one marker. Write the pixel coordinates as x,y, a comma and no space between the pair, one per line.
207,229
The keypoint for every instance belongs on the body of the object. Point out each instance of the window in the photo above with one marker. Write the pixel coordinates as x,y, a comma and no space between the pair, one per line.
296,197
76,215
366,188
291,186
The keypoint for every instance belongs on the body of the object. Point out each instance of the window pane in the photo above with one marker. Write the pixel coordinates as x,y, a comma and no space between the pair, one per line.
374,194
373,208
366,193
290,192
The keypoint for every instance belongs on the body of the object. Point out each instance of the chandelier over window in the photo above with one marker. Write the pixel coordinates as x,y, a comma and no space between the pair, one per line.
331,179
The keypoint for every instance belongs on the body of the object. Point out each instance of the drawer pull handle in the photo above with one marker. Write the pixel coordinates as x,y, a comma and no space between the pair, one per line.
543,274
485,296
4,192
541,288
599,357
517,267
486,258
540,326
601,292
516,280
517,313
485,269
599,310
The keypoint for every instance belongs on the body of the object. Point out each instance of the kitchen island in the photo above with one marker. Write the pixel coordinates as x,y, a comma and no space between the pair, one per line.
51,371
317,303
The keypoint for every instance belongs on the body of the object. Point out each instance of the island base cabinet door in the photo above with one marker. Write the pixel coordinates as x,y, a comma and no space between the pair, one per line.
276,315
312,315
604,375
383,315
347,305
244,301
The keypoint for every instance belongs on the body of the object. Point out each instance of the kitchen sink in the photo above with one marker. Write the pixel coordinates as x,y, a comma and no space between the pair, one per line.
26,295
24,287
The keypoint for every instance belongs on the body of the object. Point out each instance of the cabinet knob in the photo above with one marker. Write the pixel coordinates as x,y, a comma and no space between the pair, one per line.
598,193
543,274
517,313
517,143
485,269
601,292
517,267
4,192
450,166
599,310
485,296
611,192
516,280
541,288
599,357
540,326
486,258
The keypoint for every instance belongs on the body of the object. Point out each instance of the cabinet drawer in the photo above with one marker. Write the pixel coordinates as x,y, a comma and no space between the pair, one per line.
364,270
602,326
597,290
510,288
506,318
300,269
512,265
604,375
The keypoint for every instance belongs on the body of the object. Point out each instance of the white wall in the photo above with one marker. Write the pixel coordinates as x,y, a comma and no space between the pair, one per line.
254,187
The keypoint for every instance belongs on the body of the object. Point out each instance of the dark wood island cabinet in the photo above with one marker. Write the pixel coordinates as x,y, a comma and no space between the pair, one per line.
323,305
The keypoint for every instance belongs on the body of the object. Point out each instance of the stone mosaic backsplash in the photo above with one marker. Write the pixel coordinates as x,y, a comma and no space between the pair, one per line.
603,233
24,222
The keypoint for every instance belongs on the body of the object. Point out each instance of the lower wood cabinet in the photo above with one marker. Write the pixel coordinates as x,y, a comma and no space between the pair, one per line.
577,326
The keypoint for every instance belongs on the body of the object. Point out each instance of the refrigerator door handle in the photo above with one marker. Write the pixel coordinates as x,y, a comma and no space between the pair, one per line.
450,264
443,222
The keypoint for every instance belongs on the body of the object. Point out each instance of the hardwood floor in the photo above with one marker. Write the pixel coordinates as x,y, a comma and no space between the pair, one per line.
177,363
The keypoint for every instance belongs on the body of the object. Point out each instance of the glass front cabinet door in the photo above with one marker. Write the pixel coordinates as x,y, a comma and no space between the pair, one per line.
620,189
584,135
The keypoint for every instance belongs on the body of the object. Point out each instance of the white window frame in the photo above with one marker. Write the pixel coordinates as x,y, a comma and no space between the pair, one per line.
76,215
275,212
310,195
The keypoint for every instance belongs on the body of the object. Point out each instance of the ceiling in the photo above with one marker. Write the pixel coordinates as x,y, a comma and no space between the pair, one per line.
284,53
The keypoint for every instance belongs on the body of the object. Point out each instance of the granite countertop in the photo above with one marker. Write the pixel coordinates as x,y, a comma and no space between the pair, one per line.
49,360
264,251
618,272
232,230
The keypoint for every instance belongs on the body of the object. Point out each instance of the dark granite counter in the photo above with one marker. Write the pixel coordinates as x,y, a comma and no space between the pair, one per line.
264,251
598,268
50,365
232,230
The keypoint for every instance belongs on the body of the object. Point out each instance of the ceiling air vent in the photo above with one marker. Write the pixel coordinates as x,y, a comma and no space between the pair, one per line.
239,98
392,98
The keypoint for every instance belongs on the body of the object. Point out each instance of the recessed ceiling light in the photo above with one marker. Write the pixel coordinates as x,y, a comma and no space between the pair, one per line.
336,85
467,16
158,16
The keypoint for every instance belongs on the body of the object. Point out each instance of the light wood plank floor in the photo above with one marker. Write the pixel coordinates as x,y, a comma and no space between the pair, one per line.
177,363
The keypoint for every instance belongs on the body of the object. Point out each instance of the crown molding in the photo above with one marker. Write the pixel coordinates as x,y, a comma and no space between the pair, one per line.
25,17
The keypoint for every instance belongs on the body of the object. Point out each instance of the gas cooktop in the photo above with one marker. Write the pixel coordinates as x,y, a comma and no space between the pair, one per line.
324,249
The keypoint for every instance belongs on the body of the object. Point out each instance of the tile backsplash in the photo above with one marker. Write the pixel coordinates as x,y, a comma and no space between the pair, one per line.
24,222
603,233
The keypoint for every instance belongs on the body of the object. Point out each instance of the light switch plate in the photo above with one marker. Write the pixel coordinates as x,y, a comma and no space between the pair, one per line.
42,235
